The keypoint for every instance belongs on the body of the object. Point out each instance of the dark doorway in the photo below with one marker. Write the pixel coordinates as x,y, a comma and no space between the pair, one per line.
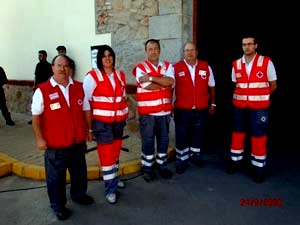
218,36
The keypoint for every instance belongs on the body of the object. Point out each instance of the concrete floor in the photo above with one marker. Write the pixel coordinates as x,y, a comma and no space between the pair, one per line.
200,196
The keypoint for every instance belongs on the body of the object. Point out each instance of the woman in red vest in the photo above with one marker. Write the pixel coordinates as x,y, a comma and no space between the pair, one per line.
105,89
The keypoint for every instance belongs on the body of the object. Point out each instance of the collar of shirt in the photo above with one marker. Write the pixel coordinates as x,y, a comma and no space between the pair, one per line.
248,65
190,66
64,90
160,63
54,83
244,60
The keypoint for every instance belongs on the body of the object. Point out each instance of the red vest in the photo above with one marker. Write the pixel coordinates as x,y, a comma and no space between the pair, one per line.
188,94
62,125
153,101
109,105
253,92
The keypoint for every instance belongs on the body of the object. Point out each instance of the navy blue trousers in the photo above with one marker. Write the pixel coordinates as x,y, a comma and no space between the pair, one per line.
57,162
154,128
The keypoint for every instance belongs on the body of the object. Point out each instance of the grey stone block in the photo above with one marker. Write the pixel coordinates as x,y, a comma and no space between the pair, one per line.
170,7
165,27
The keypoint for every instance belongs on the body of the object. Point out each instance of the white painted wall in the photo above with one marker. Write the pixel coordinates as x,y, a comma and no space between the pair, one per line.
31,25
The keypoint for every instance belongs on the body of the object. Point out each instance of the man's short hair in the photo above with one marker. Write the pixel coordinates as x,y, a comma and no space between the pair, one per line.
60,48
43,52
153,41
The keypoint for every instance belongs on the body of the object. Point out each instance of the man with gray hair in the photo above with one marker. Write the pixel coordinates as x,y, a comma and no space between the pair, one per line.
194,97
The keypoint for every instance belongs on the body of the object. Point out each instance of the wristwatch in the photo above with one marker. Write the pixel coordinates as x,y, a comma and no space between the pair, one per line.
150,78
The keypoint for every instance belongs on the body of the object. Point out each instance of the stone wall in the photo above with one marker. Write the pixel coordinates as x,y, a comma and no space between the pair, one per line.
132,22
18,97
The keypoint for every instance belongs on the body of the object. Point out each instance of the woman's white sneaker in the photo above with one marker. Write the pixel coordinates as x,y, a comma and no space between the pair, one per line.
111,198
121,184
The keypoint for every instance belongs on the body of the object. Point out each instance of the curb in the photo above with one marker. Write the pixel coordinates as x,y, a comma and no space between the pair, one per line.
9,165
6,163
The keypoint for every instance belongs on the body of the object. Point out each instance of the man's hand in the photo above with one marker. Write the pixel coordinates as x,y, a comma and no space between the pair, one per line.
144,79
90,136
41,144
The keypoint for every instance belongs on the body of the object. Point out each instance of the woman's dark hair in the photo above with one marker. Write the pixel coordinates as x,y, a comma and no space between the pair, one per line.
62,56
100,54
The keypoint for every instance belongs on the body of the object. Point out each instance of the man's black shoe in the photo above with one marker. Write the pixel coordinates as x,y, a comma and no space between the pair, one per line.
29,122
63,214
199,163
149,176
180,169
84,200
10,123
232,167
165,173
